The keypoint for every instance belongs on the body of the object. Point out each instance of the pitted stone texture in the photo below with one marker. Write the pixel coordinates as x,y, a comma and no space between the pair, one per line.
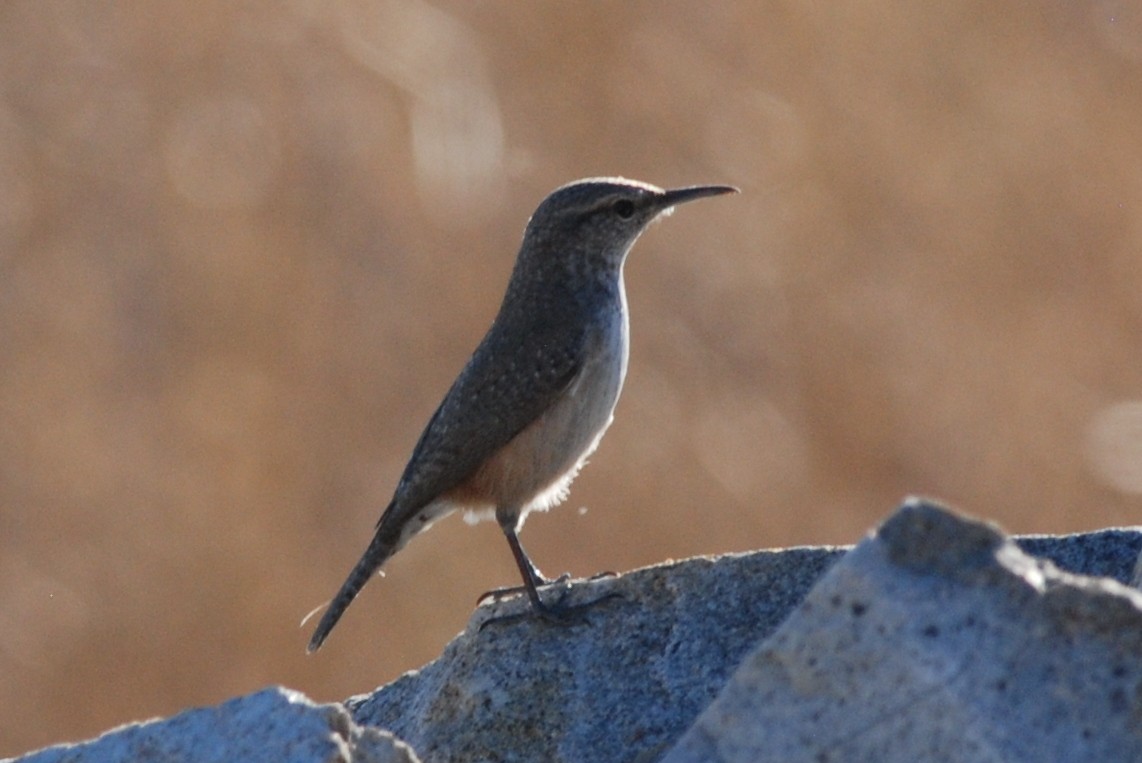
938,639
272,726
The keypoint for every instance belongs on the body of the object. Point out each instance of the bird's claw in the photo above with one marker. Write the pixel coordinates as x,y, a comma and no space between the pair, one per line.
499,594
573,614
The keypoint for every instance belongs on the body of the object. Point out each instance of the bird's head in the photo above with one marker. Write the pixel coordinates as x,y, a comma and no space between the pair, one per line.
594,222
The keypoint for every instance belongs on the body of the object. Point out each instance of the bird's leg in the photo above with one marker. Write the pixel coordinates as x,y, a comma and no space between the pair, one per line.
509,521
532,581
532,577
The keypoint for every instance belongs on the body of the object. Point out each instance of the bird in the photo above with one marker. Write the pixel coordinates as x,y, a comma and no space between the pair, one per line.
538,393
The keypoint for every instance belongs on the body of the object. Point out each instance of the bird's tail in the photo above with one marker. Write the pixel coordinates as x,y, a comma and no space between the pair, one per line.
380,549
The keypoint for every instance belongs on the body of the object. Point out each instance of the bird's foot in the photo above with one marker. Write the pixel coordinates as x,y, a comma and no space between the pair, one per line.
499,594
554,614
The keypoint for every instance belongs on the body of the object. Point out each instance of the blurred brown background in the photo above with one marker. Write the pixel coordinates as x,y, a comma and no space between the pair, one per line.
245,247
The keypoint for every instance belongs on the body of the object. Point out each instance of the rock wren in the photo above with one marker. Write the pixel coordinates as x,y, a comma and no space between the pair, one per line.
539,392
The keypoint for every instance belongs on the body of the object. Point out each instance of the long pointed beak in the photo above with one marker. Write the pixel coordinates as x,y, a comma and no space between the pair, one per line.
677,196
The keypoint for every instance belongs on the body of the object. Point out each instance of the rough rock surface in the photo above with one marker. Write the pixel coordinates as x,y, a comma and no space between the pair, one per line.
621,688
626,687
936,638
274,725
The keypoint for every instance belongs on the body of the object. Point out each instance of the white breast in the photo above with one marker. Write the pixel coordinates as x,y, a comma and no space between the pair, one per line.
535,469
576,425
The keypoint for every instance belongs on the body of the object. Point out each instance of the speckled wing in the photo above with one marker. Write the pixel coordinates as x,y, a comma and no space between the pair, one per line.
512,378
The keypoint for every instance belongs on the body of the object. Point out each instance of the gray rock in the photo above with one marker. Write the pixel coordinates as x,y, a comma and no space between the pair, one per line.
622,688
274,725
1101,554
938,639
626,687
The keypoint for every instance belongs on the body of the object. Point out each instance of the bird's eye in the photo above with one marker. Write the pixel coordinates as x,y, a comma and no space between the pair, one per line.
624,208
